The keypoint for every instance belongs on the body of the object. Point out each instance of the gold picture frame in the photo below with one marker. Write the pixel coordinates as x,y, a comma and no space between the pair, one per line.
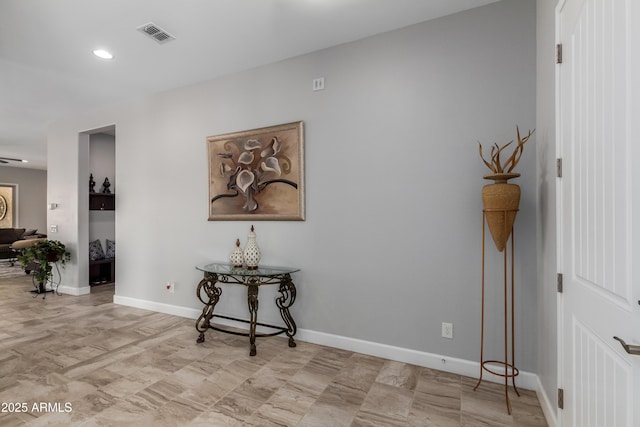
257,174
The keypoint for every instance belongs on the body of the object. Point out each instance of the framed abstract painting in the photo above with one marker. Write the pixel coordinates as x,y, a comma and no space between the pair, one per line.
257,174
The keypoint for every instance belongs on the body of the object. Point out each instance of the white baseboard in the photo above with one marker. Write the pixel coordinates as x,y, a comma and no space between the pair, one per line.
547,408
70,290
525,380
189,313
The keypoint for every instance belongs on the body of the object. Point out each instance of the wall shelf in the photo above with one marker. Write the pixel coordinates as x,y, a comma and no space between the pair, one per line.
102,202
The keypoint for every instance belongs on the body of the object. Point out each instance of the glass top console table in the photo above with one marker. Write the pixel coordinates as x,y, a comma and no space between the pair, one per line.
220,273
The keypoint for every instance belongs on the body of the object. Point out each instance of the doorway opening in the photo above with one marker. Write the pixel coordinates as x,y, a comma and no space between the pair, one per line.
101,189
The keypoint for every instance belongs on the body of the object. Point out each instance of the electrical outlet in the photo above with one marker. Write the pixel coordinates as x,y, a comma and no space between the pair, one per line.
53,229
171,287
447,330
318,84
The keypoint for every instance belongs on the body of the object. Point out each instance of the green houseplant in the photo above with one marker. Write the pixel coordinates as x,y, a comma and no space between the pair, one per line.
40,258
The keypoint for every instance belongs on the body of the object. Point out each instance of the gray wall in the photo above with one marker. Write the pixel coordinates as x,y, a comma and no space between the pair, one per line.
32,195
391,244
546,239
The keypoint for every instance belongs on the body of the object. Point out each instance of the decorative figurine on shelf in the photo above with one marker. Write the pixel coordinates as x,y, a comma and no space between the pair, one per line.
92,184
237,257
251,251
105,186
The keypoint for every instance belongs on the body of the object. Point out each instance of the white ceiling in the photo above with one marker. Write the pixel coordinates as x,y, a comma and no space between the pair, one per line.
47,70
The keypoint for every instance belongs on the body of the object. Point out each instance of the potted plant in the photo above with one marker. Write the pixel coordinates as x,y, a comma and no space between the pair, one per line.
40,258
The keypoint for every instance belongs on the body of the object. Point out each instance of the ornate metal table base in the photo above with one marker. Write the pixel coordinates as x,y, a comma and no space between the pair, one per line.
209,294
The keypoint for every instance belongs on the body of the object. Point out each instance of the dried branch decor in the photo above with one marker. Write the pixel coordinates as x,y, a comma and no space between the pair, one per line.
495,165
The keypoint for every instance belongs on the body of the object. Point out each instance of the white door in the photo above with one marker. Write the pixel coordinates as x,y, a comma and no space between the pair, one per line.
599,210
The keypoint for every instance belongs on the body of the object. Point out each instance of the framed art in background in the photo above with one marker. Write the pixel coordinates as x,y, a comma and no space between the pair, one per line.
7,208
257,174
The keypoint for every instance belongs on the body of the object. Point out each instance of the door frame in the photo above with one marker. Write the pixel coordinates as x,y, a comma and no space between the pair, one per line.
559,222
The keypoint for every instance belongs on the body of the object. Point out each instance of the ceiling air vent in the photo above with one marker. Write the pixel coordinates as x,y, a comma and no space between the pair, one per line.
155,32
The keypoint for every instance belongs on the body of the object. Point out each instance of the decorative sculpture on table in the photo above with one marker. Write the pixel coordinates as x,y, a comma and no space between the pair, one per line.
237,257
92,184
105,186
251,251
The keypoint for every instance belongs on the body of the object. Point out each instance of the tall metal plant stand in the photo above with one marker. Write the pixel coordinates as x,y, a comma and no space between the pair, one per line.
41,288
510,371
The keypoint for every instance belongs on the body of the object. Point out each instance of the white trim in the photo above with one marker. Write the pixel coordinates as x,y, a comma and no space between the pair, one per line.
175,310
525,380
547,408
70,290
559,216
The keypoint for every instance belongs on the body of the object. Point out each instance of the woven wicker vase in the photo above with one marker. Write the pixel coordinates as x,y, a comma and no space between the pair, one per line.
500,199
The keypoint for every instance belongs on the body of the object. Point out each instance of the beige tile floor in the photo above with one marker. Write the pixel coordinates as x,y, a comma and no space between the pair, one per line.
93,363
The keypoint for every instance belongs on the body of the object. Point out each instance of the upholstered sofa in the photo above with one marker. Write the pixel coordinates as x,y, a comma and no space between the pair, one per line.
10,235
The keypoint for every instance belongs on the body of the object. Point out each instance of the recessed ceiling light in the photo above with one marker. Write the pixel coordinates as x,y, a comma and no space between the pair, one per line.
8,159
100,53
